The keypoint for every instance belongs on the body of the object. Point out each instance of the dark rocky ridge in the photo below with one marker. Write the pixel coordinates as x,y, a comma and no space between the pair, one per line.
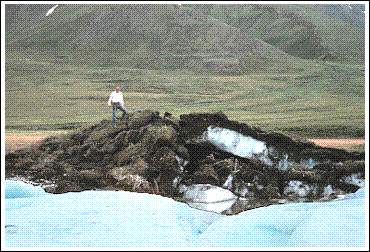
153,154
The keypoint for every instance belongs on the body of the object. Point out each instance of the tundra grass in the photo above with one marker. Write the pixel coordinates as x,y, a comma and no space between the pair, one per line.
322,100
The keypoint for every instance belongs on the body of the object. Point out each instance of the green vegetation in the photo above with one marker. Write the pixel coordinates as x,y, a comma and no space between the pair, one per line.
297,29
58,76
323,100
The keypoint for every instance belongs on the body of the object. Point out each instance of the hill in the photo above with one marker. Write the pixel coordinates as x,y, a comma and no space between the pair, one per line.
124,28
155,154
305,31
61,67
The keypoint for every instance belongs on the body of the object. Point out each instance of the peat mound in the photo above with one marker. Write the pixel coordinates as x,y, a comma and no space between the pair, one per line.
152,154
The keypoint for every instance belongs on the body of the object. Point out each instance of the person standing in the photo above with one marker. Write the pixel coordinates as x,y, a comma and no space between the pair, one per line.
116,99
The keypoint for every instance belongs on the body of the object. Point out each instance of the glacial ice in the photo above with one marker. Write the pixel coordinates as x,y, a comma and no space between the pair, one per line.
127,219
248,147
355,179
237,144
19,189
209,197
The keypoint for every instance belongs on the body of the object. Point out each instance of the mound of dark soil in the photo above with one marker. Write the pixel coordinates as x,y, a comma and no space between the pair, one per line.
153,154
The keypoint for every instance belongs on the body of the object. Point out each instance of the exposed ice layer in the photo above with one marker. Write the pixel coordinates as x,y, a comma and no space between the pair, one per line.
229,182
284,163
17,189
310,163
182,162
237,144
355,179
298,188
51,10
328,190
127,219
241,190
248,147
182,188
176,181
209,197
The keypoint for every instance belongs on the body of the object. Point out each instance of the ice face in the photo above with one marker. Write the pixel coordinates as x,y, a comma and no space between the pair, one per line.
248,147
237,144
209,197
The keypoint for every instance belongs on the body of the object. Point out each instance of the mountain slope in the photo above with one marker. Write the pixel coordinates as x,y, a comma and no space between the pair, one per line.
130,30
305,31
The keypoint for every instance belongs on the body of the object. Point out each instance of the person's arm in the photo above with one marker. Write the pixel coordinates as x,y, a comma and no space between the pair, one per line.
110,100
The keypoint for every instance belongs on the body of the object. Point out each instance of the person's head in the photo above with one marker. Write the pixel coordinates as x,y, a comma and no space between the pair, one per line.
117,89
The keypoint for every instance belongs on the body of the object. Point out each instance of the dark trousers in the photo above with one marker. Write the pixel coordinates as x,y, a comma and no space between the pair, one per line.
115,107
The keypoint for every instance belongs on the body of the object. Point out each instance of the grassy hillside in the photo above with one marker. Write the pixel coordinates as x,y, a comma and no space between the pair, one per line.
324,100
60,69
140,36
304,31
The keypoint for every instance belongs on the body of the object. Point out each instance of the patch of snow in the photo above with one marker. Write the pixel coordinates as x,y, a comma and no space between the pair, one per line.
328,190
182,188
209,197
355,179
229,182
237,144
176,181
310,163
242,190
182,162
283,163
259,187
298,188
51,10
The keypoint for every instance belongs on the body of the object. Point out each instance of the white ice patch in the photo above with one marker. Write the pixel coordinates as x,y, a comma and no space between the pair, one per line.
176,181
229,182
182,162
355,179
328,190
283,163
209,197
242,191
51,10
183,188
298,188
237,144
310,163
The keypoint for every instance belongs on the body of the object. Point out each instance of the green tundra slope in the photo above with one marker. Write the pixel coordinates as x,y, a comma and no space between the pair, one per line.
61,68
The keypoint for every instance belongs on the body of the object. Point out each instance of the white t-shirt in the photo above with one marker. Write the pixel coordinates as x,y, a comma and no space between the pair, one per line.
116,97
